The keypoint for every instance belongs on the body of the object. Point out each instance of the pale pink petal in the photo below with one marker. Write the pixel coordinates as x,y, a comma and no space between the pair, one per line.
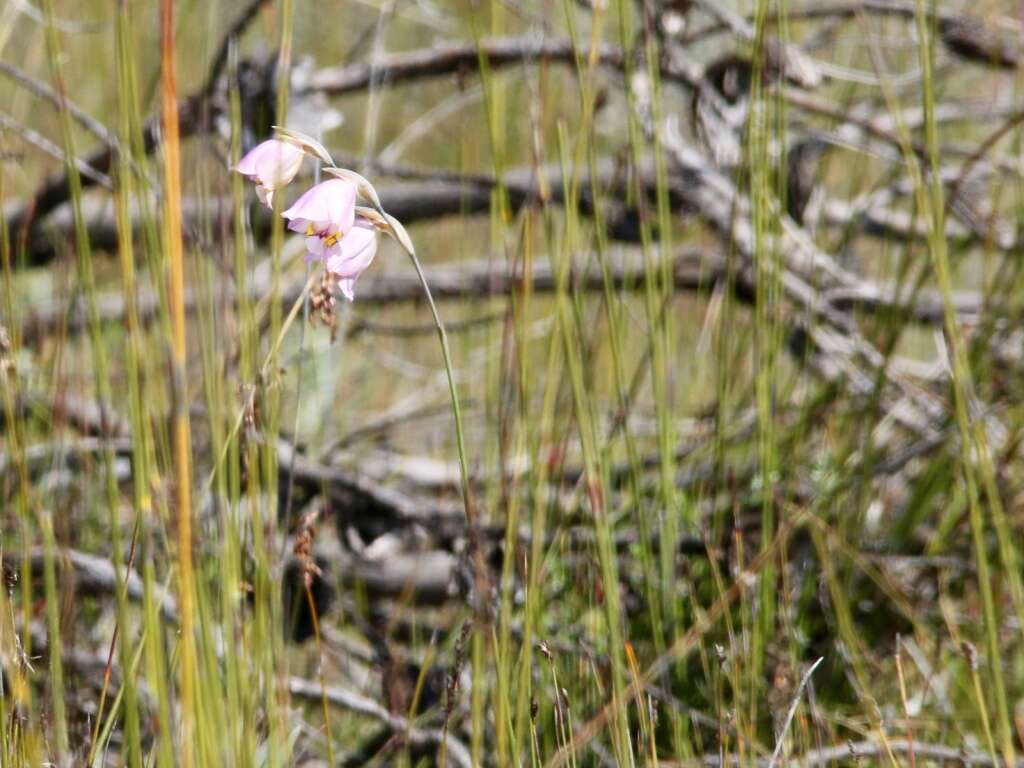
315,247
354,252
248,165
348,287
266,195
271,164
330,205
280,165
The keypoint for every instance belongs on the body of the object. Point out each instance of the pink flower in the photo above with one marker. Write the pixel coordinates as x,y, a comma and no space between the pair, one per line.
352,254
323,214
271,164
345,243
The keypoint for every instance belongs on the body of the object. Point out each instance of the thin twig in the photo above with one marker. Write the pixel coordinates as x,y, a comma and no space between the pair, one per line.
353,702
39,141
43,90
780,742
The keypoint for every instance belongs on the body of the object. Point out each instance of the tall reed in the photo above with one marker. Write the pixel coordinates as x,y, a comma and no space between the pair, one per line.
179,375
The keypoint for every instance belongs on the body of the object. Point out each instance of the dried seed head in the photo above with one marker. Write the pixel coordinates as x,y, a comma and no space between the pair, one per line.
10,578
322,303
971,653
303,547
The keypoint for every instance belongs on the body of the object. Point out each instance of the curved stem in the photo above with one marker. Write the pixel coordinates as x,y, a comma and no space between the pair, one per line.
479,567
452,390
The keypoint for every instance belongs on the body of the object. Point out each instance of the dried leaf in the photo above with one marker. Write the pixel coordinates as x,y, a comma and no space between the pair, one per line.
400,234
308,143
373,216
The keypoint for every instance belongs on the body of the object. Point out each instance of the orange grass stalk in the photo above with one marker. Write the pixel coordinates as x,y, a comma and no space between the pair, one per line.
176,297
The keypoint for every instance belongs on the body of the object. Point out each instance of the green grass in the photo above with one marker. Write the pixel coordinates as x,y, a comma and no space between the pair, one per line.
660,505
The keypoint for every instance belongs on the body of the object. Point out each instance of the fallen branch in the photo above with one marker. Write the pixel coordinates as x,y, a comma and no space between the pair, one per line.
963,34
456,58
854,751
694,270
92,574
195,115
343,699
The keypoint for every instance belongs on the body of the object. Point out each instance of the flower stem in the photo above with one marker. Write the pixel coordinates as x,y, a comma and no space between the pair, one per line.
460,438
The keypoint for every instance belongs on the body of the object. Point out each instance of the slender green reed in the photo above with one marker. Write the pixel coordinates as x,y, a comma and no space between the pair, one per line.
973,441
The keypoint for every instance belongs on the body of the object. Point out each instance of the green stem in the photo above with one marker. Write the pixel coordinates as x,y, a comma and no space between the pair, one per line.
442,336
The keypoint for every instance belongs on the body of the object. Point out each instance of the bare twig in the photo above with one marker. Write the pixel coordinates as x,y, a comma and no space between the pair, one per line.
863,750
93,574
780,742
42,143
353,702
45,91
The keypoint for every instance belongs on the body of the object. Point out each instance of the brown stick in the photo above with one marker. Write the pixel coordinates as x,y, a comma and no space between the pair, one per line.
694,271
195,115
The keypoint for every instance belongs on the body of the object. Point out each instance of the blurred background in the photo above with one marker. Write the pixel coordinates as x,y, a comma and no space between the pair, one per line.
732,292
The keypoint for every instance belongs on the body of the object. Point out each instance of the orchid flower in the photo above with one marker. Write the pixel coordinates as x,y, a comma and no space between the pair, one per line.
334,234
272,164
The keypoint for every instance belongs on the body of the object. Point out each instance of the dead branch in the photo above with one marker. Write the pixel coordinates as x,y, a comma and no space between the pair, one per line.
693,271
343,699
989,43
860,750
91,574
195,115
457,58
